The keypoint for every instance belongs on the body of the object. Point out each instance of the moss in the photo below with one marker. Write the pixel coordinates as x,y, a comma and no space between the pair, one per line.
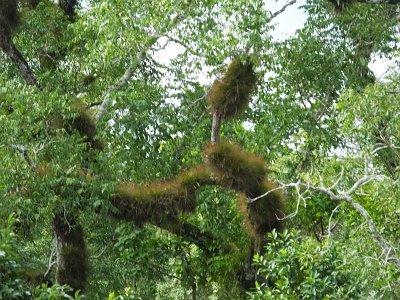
68,230
84,123
242,206
9,18
74,269
73,266
195,177
161,199
265,212
44,170
262,215
154,201
35,277
239,170
230,95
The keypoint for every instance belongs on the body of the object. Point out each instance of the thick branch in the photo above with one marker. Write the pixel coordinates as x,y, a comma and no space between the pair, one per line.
380,1
388,250
119,84
71,254
9,48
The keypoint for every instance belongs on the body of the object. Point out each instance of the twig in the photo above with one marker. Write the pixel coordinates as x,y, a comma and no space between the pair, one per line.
100,253
278,12
51,261
338,180
330,220
387,250
362,181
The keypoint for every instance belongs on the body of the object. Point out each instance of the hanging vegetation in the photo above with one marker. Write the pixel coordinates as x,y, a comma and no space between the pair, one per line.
230,95
84,123
247,173
71,255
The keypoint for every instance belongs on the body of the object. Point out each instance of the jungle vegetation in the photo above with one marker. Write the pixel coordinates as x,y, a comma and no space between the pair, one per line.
111,187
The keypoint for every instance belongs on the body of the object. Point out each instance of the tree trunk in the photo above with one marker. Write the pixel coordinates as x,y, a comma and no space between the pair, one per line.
70,251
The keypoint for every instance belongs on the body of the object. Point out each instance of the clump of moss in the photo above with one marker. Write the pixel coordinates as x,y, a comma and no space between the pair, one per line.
84,123
247,174
74,268
9,18
35,277
262,215
44,170
72,262
239,170
160,200
230,95
195,177
265,212
149,202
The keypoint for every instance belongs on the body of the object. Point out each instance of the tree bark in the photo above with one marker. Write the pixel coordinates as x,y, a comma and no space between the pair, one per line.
216,125
70,251
9,48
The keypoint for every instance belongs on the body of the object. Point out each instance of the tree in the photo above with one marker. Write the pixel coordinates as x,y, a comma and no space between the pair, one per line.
106,148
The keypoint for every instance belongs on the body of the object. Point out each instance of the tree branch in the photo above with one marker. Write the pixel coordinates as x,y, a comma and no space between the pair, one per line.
346,196
134,65
278,12
9,48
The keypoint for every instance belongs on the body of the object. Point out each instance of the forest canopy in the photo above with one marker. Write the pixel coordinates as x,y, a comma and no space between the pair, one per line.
241,166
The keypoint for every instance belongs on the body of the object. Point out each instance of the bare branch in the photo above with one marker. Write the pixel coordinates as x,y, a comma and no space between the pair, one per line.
100,253
278,12
338,180
380,1
52,261
216,125
384,147
387,250
330,220
362,181
120,83
282,187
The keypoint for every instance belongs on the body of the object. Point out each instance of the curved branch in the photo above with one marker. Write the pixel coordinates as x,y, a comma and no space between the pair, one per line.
346,196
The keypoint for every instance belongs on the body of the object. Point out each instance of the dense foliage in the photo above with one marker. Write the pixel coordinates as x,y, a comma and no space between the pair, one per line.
111,189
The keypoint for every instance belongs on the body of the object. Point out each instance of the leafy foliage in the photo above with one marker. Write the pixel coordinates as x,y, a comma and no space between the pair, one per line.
294,266
158,227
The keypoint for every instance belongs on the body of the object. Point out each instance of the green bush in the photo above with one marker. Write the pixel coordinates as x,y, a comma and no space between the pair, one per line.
296,267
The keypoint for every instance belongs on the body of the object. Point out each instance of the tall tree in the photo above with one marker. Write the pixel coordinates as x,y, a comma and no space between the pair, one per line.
115,162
